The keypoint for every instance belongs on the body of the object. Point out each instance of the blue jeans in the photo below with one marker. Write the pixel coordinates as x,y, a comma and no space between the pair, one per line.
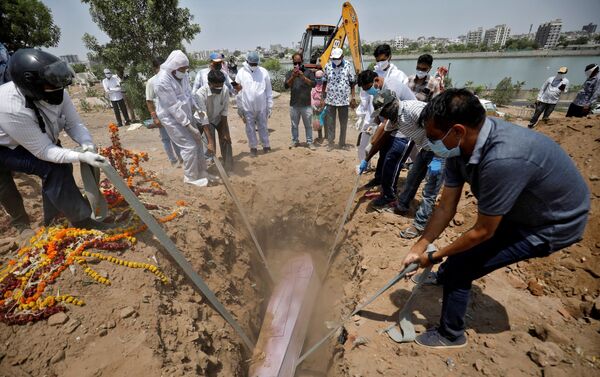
172,150
416,174
306,113
430,192
59,191
391,159
457,273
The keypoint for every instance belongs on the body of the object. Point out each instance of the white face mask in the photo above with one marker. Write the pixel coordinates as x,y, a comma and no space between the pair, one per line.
253,68
108,75
588,73
421,74
382,65
179,74
337,62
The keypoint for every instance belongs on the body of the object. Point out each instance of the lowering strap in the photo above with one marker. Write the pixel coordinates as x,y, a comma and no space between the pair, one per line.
173,252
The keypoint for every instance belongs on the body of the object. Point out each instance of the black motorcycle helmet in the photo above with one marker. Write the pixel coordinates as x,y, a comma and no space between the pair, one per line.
39,75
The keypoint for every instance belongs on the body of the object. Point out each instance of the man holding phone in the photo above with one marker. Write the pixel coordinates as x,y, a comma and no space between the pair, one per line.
301,81
549,95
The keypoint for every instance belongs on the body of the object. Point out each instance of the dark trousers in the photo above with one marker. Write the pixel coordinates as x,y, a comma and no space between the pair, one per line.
392,157
120,104
457,273
342,112
416,174
224,144
541,107
11,199
576,111
59,191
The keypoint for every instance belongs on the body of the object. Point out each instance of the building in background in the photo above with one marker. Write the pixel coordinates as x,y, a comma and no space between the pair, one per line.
70,59
475,36
496,35
590,28
399,42
548,34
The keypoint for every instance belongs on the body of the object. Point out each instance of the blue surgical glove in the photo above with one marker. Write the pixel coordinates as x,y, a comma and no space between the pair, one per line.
435,166
362,167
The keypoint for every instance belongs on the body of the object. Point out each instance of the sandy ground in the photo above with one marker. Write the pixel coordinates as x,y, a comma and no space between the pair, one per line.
543,310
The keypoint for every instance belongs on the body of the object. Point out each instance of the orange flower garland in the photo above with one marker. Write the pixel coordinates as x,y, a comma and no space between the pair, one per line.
25,280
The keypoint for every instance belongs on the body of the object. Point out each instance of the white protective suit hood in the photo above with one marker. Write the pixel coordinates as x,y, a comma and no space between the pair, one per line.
176,60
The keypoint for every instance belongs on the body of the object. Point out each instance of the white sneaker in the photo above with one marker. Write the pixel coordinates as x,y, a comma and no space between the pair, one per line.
202,182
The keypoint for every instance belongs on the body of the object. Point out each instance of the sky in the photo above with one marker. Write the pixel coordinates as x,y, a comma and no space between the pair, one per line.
243,25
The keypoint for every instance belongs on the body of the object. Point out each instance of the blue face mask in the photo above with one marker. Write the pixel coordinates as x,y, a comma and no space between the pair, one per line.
441,150
373,91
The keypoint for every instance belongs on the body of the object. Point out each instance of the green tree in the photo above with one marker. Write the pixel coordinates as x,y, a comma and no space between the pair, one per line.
504,92
272,65
78,67
27,23
138,30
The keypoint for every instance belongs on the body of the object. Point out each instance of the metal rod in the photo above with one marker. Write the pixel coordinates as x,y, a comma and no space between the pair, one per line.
173,251
342,223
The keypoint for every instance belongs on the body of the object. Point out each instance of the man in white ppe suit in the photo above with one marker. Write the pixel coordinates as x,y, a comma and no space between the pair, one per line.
174,108
255,101
35,109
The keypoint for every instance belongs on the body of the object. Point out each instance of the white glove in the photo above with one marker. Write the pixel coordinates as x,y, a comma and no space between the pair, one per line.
92,159
193,129
269,112
88,148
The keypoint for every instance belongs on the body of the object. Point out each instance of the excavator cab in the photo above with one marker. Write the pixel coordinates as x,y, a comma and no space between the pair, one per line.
318,40
314,42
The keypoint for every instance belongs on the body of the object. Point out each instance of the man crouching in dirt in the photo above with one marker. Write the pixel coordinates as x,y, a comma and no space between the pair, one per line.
532,201
34,109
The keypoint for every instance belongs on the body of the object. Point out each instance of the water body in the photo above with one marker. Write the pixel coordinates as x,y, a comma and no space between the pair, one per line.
489,71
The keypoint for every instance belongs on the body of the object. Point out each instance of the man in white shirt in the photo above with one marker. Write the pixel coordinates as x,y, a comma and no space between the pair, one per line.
549,95
255,101
384,67
112,88
338,85
371,84
172,150
216,63
34,109
213,103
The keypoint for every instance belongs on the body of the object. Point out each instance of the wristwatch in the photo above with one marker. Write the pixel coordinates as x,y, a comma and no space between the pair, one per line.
431,258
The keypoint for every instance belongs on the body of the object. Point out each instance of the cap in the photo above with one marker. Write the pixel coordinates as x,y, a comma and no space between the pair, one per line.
253,57
106,70
216,57
319,74
381,100
337,53
563,70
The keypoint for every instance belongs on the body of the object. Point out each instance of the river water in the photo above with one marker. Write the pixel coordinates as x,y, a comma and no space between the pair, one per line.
489,71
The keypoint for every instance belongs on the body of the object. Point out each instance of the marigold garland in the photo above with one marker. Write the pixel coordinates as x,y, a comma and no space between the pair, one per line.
25,279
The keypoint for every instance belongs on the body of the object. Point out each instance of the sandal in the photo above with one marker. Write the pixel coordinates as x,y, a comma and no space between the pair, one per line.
410,233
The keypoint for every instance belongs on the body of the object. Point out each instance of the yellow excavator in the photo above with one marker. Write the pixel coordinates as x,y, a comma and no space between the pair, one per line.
318,40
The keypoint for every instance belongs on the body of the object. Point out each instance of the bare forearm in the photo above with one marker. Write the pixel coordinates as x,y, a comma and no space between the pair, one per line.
466,241
150,106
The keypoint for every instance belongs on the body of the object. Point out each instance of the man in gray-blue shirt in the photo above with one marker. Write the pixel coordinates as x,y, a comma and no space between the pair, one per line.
532,201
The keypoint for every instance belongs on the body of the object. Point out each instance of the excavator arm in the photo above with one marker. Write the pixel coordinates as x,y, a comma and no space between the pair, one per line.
347,28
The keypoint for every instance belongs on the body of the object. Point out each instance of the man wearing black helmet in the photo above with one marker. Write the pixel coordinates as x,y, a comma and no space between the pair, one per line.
34,110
